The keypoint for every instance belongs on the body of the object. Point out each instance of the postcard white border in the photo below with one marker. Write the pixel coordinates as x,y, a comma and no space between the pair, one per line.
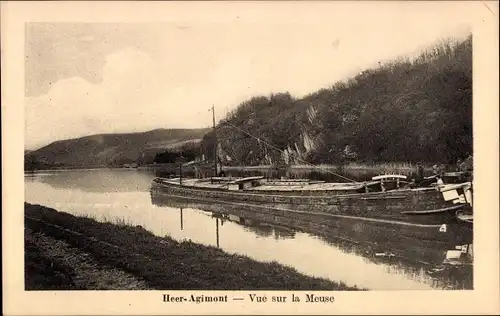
482,15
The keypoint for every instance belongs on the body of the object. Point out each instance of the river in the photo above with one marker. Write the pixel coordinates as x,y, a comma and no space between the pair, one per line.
123,196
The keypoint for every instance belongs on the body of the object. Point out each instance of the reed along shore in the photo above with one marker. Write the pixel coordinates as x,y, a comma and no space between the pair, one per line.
65,252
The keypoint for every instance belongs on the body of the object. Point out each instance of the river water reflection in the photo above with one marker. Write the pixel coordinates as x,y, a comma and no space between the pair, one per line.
124,196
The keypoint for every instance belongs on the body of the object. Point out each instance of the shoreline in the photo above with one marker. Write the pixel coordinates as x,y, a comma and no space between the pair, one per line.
66,252
322,168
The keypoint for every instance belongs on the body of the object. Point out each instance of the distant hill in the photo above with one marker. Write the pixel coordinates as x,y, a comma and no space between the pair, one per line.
112,149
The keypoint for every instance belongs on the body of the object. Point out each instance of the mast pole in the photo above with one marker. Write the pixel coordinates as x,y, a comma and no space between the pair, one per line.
215,142
217,231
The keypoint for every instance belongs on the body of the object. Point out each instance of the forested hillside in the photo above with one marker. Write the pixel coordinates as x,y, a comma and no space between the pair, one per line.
408,110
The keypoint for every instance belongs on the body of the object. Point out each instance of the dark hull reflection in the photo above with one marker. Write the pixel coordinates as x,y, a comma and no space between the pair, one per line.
401,247
257,227
425,243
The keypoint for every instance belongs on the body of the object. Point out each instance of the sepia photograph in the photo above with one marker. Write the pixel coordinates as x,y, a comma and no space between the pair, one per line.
220,158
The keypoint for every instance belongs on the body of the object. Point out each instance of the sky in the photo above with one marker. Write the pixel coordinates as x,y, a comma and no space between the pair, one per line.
92,78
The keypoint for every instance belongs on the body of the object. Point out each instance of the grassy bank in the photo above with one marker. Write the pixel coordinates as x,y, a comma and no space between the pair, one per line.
147,261
52,264
41,271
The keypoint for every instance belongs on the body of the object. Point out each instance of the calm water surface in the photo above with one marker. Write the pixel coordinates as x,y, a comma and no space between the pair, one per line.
123,195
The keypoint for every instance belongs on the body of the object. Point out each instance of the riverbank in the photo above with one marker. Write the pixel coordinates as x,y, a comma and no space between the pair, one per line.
66,252
373,167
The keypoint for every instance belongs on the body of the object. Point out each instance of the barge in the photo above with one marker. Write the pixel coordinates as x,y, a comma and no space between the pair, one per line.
386,199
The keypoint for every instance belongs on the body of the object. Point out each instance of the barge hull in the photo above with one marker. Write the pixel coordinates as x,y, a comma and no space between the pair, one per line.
425,207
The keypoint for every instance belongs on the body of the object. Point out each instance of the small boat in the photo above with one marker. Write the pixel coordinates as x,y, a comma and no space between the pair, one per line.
465,215
467,218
